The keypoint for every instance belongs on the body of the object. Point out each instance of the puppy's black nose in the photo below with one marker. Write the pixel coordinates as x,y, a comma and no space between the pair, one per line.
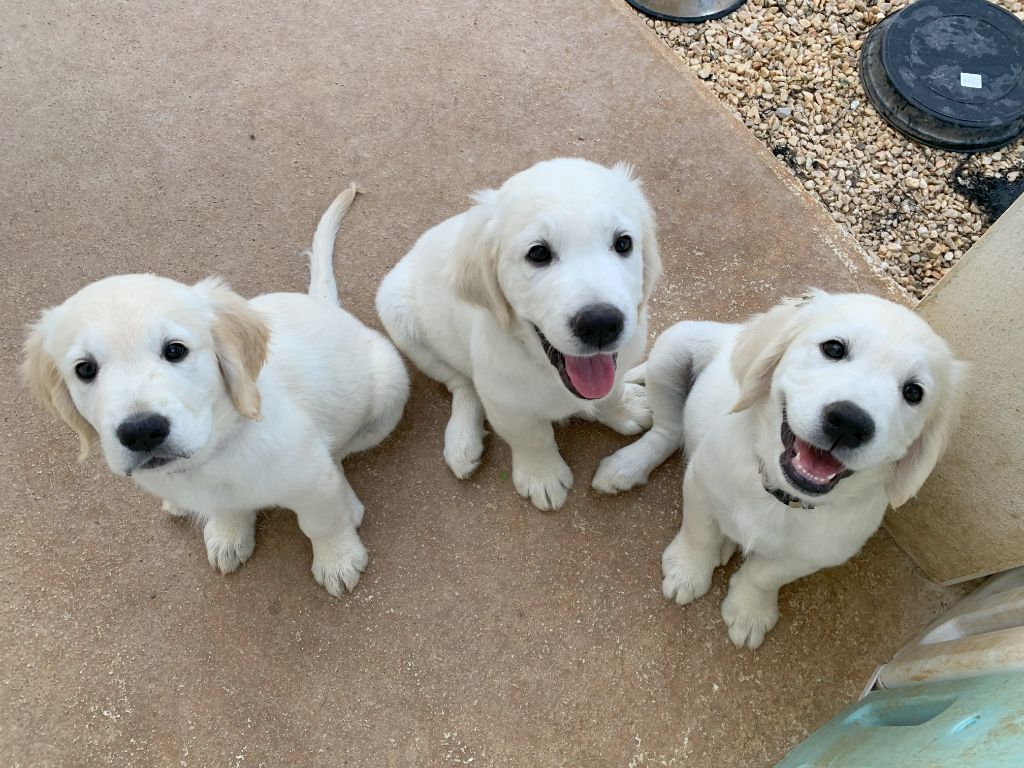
598,325
143,431
847,424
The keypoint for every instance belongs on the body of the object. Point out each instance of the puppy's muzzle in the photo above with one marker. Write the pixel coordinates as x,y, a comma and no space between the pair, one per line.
598,325
143,432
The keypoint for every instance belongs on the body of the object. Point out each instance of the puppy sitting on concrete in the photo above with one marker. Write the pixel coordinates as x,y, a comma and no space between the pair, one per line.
222,407
801,427
528,308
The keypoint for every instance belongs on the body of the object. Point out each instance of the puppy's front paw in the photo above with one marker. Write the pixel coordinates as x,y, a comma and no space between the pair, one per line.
686,577
464,436
631,415
546,485
619,472
462,453
749,613
337,565
229,541
637,375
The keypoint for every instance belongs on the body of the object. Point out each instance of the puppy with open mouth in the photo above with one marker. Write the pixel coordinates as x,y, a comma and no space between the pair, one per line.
222,407
529,307
800,427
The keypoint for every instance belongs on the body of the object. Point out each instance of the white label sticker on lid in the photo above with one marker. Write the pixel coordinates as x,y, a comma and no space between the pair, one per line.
970,80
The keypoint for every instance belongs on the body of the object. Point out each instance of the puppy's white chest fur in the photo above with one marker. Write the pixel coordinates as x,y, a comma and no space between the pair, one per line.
759,523
504,367
230,475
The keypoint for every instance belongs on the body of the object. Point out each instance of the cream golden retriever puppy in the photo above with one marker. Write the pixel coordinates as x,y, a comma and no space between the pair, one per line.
222,407
801,427
529,307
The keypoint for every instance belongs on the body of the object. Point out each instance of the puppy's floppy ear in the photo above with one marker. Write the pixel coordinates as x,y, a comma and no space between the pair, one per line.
475,264
760,347
240,337
919,461
43,378
649,234
652,259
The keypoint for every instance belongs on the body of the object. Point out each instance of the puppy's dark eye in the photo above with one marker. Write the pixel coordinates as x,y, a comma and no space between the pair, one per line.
623,244
833,349
86,370
175,351
913,392
540,254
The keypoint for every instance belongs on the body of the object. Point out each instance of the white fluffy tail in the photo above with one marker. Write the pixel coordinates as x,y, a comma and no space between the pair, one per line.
321,255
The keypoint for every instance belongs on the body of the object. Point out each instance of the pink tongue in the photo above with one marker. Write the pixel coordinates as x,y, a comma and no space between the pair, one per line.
592,376
816,461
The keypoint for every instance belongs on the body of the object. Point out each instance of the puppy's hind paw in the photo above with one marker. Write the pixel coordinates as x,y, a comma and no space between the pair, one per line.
749,614
631,415
358,511
727,551
229,542
173,511
338,566
547,486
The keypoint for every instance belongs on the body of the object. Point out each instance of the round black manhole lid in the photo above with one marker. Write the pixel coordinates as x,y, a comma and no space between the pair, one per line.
949,73
689,11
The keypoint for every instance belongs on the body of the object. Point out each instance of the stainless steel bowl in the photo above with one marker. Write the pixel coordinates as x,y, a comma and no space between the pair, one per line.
690,11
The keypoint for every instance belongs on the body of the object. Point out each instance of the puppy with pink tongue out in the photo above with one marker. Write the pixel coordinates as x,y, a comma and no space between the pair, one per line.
800,427
530,308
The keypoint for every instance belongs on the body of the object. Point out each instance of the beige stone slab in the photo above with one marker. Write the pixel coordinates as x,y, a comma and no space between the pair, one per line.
206,137
968,520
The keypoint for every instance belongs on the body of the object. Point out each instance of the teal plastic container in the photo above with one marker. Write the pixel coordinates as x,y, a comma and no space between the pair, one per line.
973,723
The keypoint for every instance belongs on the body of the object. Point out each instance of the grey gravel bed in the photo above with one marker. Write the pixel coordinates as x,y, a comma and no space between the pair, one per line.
788,70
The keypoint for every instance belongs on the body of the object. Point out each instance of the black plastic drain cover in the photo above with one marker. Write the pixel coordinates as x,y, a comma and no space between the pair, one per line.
690,11
948,73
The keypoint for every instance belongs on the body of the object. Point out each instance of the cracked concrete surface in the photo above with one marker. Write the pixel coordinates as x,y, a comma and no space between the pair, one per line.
206,138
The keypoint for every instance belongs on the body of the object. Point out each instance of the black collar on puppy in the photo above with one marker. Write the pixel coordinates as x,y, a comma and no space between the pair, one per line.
791,501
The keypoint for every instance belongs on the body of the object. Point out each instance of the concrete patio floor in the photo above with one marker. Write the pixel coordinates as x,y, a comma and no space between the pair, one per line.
208,138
